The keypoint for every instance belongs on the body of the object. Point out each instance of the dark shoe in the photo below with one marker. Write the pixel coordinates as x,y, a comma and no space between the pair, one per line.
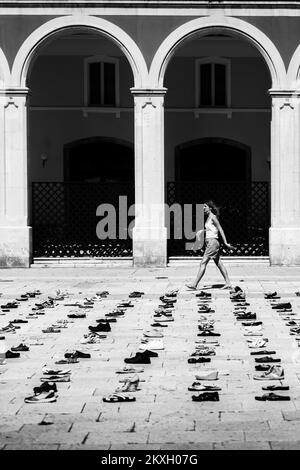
252,323
77,354
246,316
21,347
149,353
272,397
206,396
262,367
276,387
159,325
109,320
18,320
282,305
208,333
77,315
11,355
198,360
45,387
139,358
100,327
267,359
260,353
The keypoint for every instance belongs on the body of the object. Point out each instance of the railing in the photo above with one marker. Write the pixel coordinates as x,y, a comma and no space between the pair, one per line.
244,213
64,217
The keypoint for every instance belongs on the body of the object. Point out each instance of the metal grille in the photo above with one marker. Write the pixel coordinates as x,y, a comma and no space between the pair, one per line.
244,214
64,219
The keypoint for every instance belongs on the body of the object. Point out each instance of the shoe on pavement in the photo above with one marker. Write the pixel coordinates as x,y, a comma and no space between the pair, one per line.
272,397
130,370
21,347
267,359
153,334
44,397
45,387
56,378
206,396
139,358
152,345
264,352
101,327
257,343
274,373
198,387
11,355
209,374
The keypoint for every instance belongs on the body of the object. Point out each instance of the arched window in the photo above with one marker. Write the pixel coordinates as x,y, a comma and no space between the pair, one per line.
101,81
212,82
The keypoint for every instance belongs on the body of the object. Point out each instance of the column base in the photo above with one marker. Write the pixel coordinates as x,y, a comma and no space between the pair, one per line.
284,246
149,247
15,247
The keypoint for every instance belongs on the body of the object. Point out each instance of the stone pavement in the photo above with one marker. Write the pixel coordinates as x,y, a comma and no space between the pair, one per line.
163,416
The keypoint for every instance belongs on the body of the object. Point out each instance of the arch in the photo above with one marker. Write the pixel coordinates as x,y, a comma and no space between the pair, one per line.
108,29
218,24
293,75
4,71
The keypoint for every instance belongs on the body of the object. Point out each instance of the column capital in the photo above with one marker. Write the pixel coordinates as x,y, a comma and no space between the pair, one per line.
284,93
148,91
14,91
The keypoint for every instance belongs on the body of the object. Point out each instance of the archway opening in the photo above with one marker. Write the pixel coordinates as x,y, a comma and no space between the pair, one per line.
217,128
80,143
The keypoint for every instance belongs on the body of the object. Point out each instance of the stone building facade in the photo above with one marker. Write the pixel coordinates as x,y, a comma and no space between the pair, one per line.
160,97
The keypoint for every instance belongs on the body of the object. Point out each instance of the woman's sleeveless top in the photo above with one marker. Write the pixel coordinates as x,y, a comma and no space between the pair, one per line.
211,230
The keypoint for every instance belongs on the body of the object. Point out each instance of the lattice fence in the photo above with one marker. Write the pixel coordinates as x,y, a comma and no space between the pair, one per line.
244,214
64,219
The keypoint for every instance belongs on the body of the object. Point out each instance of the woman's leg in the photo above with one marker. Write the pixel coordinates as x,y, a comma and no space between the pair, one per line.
223,271
200,274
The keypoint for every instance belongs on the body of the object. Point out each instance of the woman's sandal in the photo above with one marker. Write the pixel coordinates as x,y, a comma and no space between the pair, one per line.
273,397
118,398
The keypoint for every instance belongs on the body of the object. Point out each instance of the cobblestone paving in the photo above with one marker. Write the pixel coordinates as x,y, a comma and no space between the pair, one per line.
163,416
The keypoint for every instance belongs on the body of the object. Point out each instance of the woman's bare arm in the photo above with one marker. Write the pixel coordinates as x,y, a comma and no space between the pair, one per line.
218,225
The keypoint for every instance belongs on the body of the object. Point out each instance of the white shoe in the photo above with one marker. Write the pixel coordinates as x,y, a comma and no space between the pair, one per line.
210,374
274,373
257,343
153,334
155,344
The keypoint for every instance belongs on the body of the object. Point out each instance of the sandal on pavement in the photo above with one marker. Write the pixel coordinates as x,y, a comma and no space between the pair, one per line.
118,398
130,370
273,397
276,387
198,387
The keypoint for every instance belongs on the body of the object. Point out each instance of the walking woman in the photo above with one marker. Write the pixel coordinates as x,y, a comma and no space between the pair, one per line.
212,246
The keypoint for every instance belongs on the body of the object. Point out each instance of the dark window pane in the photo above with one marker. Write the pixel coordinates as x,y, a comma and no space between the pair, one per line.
205,85
95,84
220,85
109,84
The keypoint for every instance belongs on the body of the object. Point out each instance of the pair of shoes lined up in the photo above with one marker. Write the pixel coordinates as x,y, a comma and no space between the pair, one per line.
46,392
269,365
276,371
152,339
205,348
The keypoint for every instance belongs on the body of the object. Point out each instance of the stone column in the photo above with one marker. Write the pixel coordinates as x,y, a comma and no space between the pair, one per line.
285,179
149,232
15,234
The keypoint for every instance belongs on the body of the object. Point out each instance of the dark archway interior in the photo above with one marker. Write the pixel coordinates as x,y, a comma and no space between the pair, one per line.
98,160
213,161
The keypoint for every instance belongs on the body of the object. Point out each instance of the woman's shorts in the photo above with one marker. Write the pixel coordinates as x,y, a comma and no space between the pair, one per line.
212,249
